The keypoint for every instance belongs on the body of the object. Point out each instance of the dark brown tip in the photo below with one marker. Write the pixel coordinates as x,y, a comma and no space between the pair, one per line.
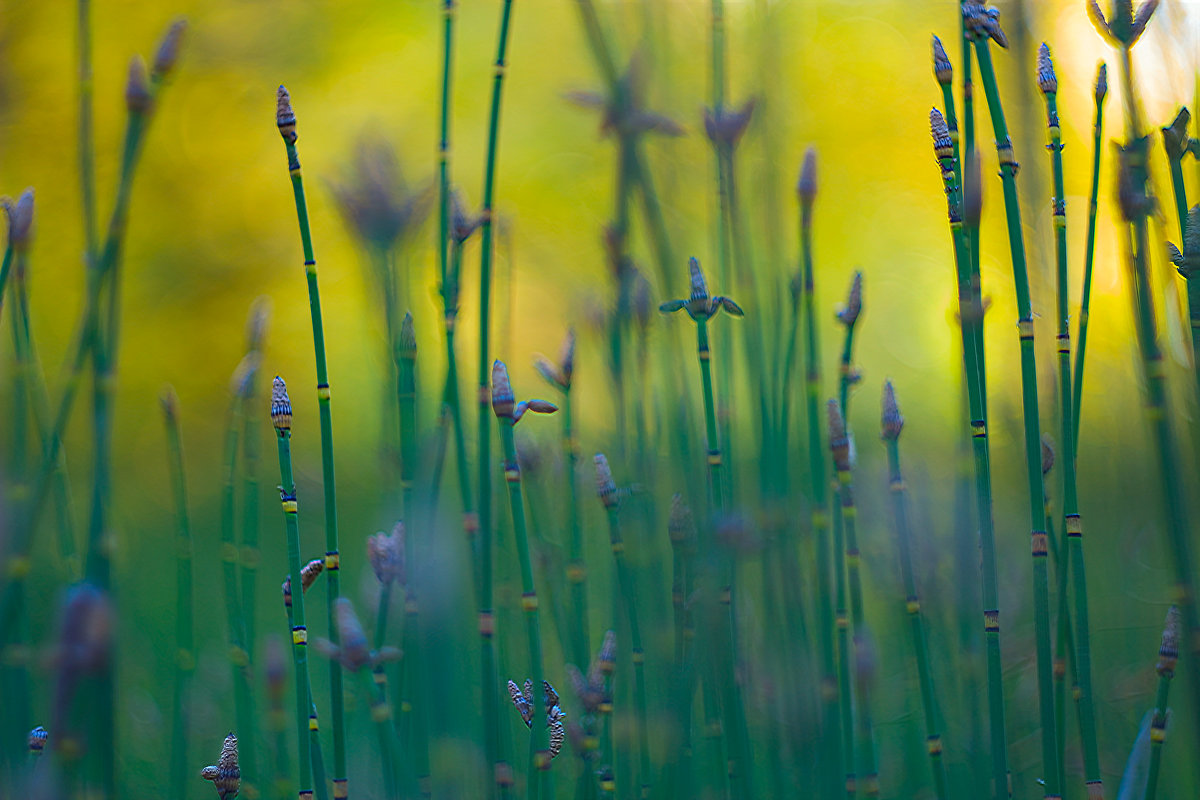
807,186
406,342
137,87
168,49
893,422
503,401
285,117
943,145
848,314
1047,81
20,220
1101,82
943,70
281,405
1168,651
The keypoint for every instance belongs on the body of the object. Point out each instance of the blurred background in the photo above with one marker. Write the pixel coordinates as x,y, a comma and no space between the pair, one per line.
213,226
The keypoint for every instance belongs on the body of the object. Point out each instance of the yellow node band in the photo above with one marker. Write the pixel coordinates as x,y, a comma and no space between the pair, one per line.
290,506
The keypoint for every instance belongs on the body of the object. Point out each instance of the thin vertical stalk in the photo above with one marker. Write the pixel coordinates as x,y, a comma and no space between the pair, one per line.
1089,253
853,750
966,206
87,171
1073,523
502,773
185,659
1168,655
834,756
607,490
281,418
893,424
286,121
1029,401
508,413
249,552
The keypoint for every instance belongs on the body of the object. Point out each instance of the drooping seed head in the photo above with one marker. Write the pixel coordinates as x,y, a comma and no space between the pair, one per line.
406,342
257,323
839,442
1168,651
1175,135
308,576
285,116
522,702
137,87
848,314
606,487
893,422
1047,454
972,192
168,49
503,402
943,70
226,775
807,186
281,405
1101,87
37,739
385,552
943,145
555,719
355,652
1047,81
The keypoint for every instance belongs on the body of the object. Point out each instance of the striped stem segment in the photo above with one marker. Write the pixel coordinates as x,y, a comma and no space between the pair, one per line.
1029,401
286,121
1168,655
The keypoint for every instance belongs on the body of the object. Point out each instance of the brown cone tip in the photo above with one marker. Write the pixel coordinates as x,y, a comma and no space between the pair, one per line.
606,487
1175,135
281,405
807,187
566,357
699,285
1047,81
37,738
168,48
1168,651
20,220
839,443
503,401
943,70
893,422
849,313
285,117
137,87
1101,82
943,146
385,552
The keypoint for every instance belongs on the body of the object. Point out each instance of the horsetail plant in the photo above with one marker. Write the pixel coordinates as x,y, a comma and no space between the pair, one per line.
1073,523
185,659
1177,144
606,489
386,555
523,700
308,576
806,190
281,418
893,425
1089,253
984,27
285,120
256,331
964,209
502,772
509,412
226,774
1168,656
560,376
1186,259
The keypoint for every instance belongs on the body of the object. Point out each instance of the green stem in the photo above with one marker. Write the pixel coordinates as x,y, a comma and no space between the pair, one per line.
1089,260
1033,437
576,568
299,632
185,659
332,557
87,171
502,773
912,603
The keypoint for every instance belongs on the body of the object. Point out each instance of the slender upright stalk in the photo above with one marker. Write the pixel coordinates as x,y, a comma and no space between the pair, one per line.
502,773
833,756
249,554
285,119
281,418
981,29
1089,253
1073,523
185,659
1177,144
309,573
1168,655
87,171
967,206
893,424
508,413
448,7
607,490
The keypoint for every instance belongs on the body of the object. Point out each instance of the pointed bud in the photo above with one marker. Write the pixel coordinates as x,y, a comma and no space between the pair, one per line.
566,357
606,487
137,87
355,653
281,405
1047,81
1101,89
1168,651
168,49
406,342
699,285
385,552
972,192
285,117
20,220
848,315
1175,135
1047,454
521,702
839,442
1144,13
943,145
503,402
807,187
229,774
893,422
943,70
